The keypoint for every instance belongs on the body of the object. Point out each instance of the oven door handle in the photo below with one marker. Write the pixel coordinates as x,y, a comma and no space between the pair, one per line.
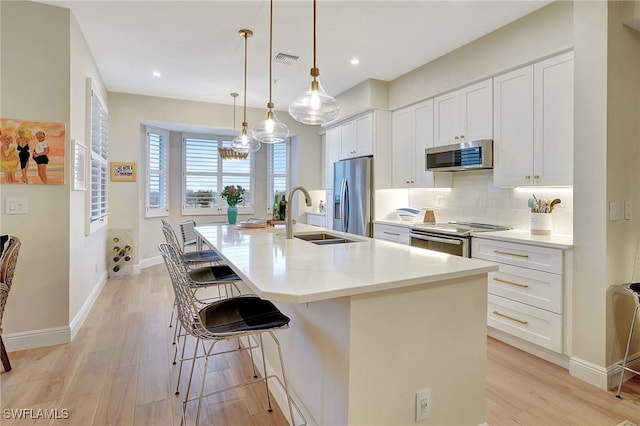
436,239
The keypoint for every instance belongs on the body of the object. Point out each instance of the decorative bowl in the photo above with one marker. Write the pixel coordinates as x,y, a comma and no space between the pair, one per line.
408,213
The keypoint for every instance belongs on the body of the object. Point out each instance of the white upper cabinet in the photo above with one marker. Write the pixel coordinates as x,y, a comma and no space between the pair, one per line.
412,134
533,124
363,135
332,154
464,115
357,137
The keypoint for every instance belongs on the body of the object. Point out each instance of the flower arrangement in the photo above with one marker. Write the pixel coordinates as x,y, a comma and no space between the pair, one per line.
233,194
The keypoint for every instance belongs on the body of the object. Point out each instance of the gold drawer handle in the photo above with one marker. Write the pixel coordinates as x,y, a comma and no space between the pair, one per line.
511,283
510,254
391,233
511,318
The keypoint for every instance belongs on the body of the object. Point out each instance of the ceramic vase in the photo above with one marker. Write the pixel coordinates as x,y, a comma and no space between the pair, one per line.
232,214
541,223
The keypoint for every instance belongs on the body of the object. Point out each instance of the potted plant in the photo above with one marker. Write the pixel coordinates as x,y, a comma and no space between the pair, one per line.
233,195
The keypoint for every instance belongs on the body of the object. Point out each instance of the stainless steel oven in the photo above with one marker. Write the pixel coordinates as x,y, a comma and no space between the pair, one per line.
452,237
441,242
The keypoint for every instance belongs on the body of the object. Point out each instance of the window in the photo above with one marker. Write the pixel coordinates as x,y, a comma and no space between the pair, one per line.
99,131
206,174
157,173
278,171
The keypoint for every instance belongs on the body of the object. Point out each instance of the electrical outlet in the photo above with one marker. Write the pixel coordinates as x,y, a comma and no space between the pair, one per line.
423,405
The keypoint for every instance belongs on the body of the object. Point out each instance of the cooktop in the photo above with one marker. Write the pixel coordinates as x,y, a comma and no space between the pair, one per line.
458,228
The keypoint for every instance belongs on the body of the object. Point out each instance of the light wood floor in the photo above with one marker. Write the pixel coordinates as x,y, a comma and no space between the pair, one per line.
118,371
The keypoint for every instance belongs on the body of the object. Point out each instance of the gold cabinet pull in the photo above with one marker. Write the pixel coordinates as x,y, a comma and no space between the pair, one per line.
511,254
500,280
511,318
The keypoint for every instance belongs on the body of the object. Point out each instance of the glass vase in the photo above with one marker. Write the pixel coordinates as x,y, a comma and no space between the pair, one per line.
232,214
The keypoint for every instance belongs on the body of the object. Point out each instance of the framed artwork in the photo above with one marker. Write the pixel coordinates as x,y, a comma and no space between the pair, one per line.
123,172
32,152
79,166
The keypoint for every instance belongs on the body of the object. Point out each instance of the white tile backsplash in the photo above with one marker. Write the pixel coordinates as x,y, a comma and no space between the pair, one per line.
474,198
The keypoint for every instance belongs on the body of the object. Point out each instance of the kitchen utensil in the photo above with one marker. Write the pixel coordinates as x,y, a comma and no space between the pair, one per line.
554,202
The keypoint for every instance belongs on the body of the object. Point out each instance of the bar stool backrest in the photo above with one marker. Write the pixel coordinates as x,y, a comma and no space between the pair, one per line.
8,261
185,300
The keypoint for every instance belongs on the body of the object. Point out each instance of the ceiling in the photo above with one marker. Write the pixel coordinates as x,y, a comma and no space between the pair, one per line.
196,47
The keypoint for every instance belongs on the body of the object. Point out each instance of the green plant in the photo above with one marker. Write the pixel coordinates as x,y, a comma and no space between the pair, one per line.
233,194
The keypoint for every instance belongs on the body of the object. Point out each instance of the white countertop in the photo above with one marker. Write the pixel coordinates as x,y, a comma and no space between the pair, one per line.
559,241
398,222
298,271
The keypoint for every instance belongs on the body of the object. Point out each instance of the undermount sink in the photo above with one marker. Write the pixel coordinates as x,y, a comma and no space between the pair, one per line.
322,238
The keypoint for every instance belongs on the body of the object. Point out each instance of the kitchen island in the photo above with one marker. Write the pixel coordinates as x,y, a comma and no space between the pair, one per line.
372,323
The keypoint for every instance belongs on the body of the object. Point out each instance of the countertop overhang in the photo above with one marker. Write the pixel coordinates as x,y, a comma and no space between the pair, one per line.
298,271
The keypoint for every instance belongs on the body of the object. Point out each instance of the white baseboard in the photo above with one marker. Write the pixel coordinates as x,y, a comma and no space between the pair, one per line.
586,371
78,320
556,358
36,338
151,261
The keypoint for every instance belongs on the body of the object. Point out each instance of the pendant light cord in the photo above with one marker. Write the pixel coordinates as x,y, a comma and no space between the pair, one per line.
270,105
314,35
244,121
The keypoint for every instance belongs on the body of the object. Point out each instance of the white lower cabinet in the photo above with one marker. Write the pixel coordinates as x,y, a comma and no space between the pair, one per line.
526,293
316,219
395,233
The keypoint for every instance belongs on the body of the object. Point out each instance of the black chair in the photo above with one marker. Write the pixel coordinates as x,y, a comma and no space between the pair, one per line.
232,318
634,289
10,247
191,258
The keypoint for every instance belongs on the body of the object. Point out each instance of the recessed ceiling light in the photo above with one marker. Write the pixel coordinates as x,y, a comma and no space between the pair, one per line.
157,74
355,61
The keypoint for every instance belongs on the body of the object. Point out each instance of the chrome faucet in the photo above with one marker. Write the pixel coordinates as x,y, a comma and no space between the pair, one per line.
289,220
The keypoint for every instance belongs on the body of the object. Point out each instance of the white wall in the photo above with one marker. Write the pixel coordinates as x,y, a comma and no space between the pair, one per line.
36,86
541,33
128,111
87,258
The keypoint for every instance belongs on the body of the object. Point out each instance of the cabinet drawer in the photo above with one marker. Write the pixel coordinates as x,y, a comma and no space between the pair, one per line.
527,256
535,288
535,325
398,234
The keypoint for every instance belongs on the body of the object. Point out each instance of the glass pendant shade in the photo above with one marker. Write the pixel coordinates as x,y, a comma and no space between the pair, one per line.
245,143
314,106
271,130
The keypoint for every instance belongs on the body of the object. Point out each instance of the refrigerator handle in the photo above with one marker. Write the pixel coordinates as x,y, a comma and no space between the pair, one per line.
346,206
343,190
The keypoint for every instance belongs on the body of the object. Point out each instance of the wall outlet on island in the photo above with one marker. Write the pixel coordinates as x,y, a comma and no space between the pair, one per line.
423,405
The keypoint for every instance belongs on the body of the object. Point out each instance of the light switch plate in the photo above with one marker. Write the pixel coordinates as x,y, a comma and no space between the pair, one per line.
614,211
16,205
627,210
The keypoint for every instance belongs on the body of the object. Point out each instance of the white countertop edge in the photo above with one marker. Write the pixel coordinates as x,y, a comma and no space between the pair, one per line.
317,213
391,285
559,241
399,222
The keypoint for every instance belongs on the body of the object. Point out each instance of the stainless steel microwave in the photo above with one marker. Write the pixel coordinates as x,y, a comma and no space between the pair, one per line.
460,156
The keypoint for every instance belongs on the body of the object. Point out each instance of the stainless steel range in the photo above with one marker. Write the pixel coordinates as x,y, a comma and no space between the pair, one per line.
450,237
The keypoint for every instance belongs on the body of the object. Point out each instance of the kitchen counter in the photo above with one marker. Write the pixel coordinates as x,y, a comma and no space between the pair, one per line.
298,271
372,322
559,241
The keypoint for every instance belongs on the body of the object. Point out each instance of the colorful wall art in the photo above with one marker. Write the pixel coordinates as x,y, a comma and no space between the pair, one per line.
32,152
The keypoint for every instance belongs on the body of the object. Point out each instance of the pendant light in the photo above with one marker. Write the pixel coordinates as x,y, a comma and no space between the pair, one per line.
245,142
314,106
228,153
271,130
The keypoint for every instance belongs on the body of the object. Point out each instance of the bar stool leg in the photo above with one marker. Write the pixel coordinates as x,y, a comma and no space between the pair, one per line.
626,352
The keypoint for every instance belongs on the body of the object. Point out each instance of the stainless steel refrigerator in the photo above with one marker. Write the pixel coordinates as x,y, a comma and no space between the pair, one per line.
353,196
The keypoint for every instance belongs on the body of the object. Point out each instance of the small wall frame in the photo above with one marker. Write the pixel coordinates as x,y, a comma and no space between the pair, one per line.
123,172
